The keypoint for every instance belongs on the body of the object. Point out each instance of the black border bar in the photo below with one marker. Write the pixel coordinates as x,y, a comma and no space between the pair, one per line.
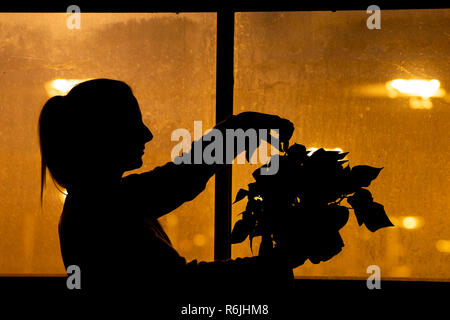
208,6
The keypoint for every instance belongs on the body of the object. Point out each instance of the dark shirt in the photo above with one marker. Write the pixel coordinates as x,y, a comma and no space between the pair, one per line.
113,234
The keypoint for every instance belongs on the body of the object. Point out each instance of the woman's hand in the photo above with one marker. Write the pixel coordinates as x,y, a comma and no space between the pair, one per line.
255,120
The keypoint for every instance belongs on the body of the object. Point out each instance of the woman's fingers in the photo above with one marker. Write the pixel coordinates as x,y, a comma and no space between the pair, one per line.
286,131
256,120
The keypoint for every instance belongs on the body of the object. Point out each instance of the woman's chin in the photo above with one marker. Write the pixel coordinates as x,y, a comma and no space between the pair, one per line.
136,164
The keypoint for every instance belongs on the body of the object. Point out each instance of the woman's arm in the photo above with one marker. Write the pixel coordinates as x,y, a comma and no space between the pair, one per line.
165,188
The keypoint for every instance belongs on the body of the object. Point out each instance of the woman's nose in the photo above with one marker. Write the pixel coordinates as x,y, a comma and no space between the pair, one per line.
148,136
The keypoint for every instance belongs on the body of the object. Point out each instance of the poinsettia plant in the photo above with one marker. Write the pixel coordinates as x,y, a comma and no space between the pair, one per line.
304,202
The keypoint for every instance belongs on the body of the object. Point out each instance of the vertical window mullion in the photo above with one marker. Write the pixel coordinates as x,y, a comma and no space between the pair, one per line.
224,108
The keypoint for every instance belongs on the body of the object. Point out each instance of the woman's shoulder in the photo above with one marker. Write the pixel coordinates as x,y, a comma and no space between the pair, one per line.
92,212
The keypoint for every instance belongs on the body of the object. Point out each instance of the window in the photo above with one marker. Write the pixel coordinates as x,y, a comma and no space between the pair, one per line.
327,73
168,60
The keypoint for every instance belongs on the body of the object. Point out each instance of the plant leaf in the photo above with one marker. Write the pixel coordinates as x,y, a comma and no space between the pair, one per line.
360,215
376,217
342,155
297,151
266,245
240,232
338,216
347,170
318,155
362,176
252,188
242,193
361,201
327,246
242,213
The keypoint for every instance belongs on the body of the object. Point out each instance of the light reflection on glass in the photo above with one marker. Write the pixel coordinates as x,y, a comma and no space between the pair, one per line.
61,86
443,246
411,222
420,103
419,91
313,149
171,220
199,240
402,271
62,195
418,88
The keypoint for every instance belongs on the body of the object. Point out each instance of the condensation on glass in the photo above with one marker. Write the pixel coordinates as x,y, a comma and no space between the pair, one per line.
325,71
332,76
168,60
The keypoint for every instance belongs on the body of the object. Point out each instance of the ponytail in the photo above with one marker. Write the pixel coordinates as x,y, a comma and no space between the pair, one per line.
51,121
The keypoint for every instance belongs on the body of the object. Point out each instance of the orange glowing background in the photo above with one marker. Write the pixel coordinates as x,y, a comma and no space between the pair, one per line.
330,75
324,71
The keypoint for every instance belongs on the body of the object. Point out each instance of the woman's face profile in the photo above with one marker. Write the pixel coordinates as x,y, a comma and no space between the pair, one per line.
133,134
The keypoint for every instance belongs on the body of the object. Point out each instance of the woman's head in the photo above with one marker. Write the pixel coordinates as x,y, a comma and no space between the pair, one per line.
96,129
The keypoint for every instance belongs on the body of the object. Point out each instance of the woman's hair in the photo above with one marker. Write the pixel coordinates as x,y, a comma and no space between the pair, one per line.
72,126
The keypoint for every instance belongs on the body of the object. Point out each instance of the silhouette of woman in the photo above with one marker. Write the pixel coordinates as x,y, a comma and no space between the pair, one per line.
109,225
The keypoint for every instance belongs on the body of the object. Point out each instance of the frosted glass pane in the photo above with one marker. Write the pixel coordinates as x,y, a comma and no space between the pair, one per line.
327,73
168,60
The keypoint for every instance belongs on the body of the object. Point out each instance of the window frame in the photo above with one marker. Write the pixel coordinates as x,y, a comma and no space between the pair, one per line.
225,80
